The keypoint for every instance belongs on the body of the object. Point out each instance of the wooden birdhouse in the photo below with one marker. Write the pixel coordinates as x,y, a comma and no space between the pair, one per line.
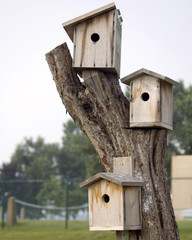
151,99
114,202
97,39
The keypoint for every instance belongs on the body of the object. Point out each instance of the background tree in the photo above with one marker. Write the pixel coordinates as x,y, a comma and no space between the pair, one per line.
31,160
9,172
52,164
78,157
180,139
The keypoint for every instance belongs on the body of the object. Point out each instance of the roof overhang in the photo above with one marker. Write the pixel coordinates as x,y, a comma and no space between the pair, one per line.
69,25
144,71
119,179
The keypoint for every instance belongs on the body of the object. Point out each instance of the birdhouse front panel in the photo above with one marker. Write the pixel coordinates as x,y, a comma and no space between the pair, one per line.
97,43
106,206
145,100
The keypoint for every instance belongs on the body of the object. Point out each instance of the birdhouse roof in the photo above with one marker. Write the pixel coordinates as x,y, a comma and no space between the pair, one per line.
144,71
119,179
69,25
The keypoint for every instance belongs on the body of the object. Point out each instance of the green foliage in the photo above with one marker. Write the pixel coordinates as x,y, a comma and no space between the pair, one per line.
83,157
35,159
51,193
127,92
180,139
73,161
182,120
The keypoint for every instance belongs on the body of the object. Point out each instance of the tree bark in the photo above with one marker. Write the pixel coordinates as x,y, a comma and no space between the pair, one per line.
100,109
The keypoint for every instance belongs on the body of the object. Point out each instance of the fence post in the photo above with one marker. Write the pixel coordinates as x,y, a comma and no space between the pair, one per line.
11,211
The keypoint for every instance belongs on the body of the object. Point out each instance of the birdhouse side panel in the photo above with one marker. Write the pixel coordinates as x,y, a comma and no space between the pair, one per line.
93,42
167,104
117,45
132,208
145,101
106,206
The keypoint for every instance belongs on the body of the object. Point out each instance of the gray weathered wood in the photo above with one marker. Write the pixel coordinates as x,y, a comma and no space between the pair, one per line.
145,111
106,123
123,165
157,109
118,178
166,103
127,80
103,54
102,215
114,207
123,210
104,50
69,25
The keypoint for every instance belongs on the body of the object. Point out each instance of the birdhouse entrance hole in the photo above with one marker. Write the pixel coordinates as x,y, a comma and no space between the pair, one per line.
95,37
145,96
106,198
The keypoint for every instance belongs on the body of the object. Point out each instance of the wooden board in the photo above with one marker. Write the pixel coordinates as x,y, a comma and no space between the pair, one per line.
102,215
103,54
69,25
151,125
132,208
123,165
145,111
91,54
119,179
127,80
166,103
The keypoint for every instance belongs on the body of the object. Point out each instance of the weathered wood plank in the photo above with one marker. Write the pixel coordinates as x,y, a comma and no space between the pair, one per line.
166,103
127,80
97,43
119,179
123,165
69,25
106,214
142,110
133,207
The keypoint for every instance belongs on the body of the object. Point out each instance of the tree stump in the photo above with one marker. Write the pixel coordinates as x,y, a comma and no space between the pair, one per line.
100,109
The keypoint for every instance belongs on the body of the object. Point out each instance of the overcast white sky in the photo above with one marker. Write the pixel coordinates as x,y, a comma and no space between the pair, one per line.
157,35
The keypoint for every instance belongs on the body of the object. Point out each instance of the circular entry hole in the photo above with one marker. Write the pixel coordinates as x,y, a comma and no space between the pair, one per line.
95,37
145,96
106,198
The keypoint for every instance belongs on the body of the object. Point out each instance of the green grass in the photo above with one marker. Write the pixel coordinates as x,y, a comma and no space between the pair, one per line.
52,230
49,230
185,230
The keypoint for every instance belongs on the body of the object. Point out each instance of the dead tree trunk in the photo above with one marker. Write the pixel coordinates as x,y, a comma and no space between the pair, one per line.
100,109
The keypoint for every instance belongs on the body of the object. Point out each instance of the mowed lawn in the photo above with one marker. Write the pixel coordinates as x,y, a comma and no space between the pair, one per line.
77,230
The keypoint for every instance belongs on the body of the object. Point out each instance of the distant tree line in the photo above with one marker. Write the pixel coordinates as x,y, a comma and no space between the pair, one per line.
72,161
75,159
